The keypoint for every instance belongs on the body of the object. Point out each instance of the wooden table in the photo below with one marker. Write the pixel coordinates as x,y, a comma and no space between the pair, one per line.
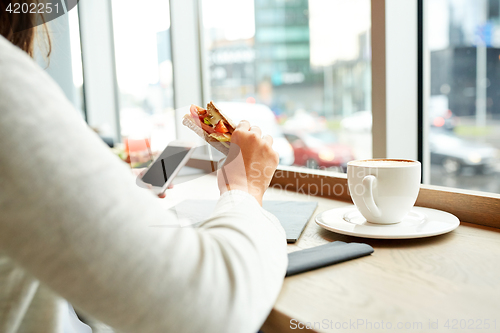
448,283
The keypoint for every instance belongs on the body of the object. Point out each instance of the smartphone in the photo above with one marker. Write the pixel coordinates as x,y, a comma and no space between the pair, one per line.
167,165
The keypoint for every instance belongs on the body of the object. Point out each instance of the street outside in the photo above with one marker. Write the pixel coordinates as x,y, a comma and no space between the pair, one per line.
467,178
488,181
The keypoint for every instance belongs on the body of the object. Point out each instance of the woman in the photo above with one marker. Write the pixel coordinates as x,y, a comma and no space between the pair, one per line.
74,226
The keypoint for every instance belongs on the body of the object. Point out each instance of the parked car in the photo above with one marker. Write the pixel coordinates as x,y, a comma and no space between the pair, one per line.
446,149
440,116
319,149
262,116
445,120
455,153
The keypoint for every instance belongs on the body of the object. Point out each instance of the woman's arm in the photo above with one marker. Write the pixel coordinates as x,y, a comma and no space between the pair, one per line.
71,215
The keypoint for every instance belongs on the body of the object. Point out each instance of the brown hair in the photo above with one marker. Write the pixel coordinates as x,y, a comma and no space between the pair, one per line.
21,28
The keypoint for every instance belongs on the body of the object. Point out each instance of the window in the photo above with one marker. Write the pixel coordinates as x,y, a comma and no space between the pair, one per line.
305,69
144,74
464,104
65,65
304,66
76,59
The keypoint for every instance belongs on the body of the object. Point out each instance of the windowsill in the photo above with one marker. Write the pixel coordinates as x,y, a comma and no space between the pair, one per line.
469,206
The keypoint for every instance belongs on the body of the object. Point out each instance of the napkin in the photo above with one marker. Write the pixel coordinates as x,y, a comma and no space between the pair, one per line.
293,215
325,255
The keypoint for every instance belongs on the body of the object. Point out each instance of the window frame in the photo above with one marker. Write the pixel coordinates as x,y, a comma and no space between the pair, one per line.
99,68
394,83
394,93
469,206
390,91
397,32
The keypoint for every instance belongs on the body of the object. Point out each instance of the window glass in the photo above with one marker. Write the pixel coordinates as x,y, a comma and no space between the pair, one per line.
304,66
464,101
76,59
65,62
144,74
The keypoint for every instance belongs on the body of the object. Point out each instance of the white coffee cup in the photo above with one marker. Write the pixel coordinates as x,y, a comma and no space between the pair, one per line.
384,190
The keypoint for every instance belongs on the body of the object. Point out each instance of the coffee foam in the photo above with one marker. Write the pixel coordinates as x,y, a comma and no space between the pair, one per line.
376,163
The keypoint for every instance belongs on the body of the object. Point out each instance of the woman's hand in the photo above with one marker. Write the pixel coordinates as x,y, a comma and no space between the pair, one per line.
251,162
139,172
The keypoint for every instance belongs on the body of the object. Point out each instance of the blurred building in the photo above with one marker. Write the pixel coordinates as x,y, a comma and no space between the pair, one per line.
282,42
454,75
465,51
232,70
164,46
348,82
299,59
282,66
162,92
312,59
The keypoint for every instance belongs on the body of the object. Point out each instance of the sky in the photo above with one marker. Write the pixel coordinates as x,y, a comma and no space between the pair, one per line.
333,33
135,27
235,17
334,29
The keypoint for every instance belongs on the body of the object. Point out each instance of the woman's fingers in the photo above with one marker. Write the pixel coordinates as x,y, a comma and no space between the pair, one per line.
269,139
252,168
256,130
243,125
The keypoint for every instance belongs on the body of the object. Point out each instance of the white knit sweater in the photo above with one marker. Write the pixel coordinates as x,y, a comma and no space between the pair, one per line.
74,226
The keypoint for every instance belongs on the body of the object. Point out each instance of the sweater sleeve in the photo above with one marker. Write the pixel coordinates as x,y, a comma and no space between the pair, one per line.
72,216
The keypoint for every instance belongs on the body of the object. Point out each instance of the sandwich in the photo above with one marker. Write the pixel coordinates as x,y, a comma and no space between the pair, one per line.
211,125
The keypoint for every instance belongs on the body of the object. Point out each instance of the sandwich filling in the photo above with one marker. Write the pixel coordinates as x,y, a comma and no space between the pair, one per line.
213,123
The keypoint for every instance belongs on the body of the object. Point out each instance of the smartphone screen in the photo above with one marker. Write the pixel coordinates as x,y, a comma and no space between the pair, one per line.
164,166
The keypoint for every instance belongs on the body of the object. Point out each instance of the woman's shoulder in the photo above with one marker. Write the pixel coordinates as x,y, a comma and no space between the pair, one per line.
24,86
11,55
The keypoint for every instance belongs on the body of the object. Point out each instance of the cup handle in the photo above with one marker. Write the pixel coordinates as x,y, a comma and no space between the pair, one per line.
368,184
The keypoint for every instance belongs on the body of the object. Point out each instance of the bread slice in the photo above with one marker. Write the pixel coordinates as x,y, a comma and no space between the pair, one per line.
189,122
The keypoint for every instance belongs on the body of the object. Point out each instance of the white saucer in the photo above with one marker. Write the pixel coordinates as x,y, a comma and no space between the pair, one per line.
420,222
